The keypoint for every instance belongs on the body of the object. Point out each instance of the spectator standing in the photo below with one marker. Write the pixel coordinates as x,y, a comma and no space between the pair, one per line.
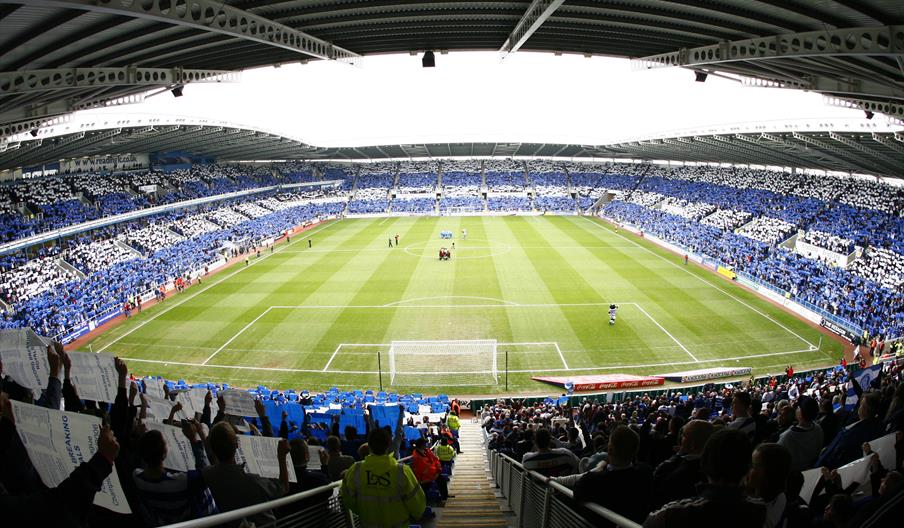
231,487
381,491
804,440
338,462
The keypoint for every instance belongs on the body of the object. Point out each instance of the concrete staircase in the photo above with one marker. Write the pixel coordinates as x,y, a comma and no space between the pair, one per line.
473,502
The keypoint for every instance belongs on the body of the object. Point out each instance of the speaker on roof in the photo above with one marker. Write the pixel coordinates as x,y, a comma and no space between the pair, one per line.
429,61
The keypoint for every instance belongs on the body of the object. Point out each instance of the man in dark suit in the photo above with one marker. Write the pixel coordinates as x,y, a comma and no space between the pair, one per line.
619,484
847,445
677,477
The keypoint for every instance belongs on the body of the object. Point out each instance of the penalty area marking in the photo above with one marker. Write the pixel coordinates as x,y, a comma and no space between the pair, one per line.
701,279
211,285
655,322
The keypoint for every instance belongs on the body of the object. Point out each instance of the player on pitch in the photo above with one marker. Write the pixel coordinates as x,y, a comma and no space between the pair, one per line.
612,309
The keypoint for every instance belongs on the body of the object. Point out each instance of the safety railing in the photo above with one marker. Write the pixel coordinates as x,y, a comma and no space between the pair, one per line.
318,507
540,504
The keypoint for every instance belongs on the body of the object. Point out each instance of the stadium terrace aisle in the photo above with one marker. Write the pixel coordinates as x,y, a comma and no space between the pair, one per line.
474,503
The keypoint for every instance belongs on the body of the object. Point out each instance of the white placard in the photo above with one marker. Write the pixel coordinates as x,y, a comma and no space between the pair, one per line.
258,453
57,442
239,403
856,471
192,401
811,478
314,456
94,376
885,448
179,456
159,409
154,387
24,360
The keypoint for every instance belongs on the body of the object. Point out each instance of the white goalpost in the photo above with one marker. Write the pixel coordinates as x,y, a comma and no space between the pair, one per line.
448,363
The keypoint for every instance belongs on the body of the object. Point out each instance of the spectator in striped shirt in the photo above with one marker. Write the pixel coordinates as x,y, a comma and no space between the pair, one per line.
552,462
168,497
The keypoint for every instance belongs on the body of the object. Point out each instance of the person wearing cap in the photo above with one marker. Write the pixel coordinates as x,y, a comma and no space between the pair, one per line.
427,468
805,439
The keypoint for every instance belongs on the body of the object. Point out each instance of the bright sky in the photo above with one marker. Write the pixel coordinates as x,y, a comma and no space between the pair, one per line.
474,96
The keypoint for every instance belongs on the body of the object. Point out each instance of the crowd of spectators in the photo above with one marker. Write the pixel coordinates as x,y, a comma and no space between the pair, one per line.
414,205
320,438
504,176
768,230
509,203
687,456
417,177
53,301
881,266
727,219
828,241
368,206
874,308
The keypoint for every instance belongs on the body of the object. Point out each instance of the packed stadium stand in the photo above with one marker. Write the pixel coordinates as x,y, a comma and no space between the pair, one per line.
759,223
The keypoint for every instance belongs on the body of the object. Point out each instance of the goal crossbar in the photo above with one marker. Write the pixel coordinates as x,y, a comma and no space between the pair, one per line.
471,362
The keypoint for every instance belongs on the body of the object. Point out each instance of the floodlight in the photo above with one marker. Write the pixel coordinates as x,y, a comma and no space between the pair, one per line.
429,61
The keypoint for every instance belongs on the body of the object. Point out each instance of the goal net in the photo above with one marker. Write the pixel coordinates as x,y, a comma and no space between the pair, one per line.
447,363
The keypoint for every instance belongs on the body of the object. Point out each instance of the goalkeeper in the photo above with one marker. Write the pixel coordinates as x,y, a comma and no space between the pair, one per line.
613,308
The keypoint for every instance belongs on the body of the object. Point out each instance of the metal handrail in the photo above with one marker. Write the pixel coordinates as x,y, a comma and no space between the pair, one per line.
501,464
241,513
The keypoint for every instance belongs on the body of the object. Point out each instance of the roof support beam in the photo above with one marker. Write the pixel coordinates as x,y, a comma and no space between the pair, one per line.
775,157
535,16
893,109
880,159
889,142
16,82
749,155
38,114
213,16
869,41
832,152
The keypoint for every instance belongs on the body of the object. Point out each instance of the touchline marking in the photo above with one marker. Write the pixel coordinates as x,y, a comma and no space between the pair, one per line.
211,285
525,371
231,339
701,279
328,363
655,322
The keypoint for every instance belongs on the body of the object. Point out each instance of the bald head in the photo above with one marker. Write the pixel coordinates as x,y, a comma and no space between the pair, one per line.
694,435
223,442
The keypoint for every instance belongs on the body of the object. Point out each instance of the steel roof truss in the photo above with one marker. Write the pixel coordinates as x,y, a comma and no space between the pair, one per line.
214,16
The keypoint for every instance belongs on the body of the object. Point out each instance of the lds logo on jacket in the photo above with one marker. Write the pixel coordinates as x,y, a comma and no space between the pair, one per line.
381,480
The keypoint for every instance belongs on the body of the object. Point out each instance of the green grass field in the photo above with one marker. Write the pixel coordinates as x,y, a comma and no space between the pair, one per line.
539,286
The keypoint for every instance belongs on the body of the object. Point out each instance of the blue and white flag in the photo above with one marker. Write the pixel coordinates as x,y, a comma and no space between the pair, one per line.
864,378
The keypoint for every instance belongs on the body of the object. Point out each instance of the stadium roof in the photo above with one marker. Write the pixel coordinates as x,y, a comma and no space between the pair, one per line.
63,55
860,146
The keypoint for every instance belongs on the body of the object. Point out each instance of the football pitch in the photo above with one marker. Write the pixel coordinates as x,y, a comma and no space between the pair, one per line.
540,287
